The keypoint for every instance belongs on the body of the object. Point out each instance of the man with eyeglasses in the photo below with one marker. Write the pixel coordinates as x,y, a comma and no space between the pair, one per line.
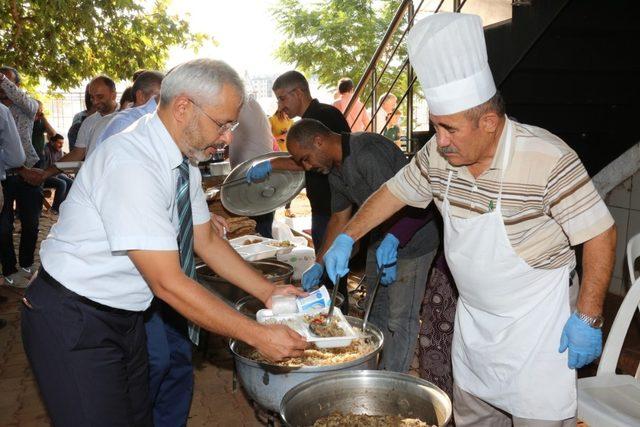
130,228
294,98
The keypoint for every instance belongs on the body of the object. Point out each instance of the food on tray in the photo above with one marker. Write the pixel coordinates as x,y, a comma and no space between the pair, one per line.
240,226
338,419
251,241
282,244
314,356
324,328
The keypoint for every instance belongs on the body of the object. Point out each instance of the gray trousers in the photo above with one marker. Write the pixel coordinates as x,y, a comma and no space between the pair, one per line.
396,308
469,410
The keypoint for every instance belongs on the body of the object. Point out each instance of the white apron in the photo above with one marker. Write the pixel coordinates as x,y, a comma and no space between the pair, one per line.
509,319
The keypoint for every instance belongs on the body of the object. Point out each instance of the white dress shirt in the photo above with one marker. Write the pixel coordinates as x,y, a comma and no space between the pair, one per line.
253,136
124,198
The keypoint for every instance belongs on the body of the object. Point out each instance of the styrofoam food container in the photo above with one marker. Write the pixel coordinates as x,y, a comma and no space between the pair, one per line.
296,322
239,241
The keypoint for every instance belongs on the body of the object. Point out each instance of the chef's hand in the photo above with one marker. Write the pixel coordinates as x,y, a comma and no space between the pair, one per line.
311,276
219,224
583,341
387,253
284,290
336,260
278,342
258,171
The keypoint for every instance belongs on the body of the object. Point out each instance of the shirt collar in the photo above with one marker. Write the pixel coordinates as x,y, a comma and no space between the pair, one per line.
174,154
151,104
313,105
497,162
346,147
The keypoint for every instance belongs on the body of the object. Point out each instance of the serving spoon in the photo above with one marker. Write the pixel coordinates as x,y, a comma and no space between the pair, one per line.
316,327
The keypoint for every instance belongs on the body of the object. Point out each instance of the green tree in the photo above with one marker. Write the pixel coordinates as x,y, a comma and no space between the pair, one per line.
330,39
68,41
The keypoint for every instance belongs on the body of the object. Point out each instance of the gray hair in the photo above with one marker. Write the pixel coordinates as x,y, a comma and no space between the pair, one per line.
495,104
383,98
201,80
304,131
290,80
147,81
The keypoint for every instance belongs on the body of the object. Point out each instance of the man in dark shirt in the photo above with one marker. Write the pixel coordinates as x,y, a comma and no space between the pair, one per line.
294,98
357,165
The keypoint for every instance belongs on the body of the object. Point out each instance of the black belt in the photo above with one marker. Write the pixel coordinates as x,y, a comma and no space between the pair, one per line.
12,171
46,277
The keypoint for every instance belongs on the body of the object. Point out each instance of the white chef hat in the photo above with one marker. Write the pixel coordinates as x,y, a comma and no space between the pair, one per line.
449,55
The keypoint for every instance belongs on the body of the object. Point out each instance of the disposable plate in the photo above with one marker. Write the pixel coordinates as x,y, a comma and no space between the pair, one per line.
297,323
68,165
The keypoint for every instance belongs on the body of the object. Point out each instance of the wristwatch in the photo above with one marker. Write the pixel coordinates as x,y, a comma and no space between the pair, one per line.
594,322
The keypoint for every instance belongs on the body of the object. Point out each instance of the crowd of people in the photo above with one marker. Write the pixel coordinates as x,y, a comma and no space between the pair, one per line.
110,318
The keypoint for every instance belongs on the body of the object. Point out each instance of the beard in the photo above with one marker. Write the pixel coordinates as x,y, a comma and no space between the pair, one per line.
193,143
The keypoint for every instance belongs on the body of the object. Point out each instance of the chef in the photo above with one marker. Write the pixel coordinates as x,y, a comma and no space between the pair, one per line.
514,200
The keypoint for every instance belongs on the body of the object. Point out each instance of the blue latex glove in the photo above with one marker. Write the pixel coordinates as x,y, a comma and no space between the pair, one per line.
387,253
583,341
258,171
311,276
336,260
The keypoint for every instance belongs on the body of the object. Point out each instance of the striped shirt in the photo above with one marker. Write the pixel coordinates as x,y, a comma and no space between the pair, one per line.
548,200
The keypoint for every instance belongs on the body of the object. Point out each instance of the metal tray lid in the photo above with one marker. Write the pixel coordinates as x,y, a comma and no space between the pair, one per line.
258,198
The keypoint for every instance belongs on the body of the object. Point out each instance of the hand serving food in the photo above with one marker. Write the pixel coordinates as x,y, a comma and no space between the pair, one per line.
284,290
278,342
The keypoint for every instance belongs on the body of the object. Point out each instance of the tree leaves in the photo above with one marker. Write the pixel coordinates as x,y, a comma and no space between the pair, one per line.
68,41
330,39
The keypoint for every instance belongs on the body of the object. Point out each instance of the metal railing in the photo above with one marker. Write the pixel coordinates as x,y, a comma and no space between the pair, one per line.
406,11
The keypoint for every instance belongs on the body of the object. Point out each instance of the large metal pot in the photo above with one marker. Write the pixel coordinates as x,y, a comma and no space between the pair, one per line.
266,384
365,392
274,271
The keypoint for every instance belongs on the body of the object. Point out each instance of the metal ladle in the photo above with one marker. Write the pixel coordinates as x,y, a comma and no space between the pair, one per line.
314,327
373,295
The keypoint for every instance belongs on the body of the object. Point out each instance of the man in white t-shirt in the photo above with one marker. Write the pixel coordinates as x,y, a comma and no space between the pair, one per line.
146,91
102,91
129,229
387,103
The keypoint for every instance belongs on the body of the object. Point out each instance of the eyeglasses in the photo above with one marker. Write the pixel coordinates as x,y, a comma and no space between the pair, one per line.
222,127
282,97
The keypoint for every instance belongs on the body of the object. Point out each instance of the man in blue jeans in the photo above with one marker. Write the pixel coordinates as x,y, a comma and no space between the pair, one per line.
60,182
22,185
357,164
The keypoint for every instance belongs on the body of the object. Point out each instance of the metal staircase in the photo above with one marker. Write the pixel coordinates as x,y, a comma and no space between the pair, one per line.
569,66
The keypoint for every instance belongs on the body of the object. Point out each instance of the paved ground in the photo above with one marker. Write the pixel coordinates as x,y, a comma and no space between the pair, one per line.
215,403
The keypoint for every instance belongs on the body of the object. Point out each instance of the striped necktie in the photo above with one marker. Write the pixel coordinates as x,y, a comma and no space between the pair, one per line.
185,234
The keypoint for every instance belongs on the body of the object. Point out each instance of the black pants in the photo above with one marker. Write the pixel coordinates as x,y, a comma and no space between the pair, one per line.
28,200
264,223
90,362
